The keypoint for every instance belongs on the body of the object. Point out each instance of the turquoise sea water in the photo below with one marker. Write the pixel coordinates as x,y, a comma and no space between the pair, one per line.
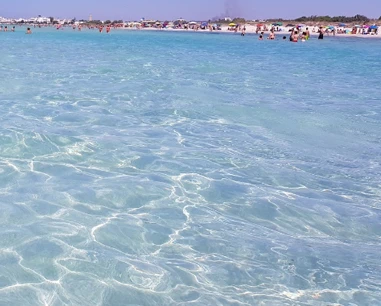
151,168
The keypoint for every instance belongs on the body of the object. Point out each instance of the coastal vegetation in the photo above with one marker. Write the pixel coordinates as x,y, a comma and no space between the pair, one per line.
113,22
356,18
359,19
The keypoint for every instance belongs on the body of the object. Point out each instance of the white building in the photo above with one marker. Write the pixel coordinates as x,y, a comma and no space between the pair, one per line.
43,20
38,19
5,20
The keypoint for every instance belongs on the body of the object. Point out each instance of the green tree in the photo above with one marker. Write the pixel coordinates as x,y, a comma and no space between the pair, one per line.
356,18
301,19
239,20
107,22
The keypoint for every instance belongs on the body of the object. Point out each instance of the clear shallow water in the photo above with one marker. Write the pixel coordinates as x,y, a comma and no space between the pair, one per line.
146,168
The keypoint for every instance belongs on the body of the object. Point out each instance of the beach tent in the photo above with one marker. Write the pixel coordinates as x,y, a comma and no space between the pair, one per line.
301,25
232,24
342,25
277,24
373,27
290,25
192,22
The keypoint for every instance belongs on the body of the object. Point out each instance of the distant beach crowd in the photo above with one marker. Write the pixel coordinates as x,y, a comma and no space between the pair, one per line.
295,33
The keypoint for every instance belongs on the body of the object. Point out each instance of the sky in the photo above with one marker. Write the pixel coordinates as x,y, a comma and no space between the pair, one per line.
188,9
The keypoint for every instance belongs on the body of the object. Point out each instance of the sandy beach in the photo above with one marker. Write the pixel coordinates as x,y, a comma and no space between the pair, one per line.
251,29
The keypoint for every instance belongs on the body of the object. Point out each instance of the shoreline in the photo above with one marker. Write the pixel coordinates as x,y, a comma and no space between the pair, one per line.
249,32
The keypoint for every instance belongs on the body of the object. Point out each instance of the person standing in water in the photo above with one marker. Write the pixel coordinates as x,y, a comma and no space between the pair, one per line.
28,31
294,36
304,36
243,31
308,34
321,33
293,30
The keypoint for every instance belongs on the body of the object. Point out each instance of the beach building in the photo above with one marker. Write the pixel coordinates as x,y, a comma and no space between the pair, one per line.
38,19
43,19
5,20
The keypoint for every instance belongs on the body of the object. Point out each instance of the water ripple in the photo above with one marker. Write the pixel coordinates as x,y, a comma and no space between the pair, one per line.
185,169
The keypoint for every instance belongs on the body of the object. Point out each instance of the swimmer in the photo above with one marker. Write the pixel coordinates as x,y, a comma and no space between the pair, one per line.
28,31
271,36
284,37
260,37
